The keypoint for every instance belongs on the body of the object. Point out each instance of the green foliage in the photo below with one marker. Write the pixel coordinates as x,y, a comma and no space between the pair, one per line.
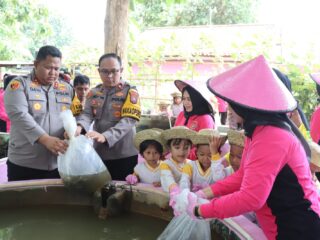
25,26
304,89
157,13
141,52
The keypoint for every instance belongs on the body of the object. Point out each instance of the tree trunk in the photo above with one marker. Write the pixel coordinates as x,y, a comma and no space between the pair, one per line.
116,28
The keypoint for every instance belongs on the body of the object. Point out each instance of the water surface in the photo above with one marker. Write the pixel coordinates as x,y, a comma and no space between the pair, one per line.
74,223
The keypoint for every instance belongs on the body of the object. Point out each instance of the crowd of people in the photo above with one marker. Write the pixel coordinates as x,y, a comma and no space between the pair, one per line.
264,162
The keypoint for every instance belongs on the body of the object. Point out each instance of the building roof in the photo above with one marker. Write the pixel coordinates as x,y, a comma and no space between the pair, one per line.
213,41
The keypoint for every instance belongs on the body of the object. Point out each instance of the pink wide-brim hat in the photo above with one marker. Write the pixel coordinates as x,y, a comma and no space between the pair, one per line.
315,77
254,85
199,87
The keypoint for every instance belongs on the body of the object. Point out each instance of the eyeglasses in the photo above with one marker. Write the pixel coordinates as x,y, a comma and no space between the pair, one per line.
108,72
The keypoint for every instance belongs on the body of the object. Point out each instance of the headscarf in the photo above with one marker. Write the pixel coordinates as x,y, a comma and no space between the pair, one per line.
286,81
253,118
199,104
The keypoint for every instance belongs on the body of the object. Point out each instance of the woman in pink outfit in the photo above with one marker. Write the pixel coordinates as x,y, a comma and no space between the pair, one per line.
274,178
4,119
197,112
315,117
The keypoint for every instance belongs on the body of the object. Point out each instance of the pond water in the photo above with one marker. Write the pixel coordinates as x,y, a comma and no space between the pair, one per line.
75,223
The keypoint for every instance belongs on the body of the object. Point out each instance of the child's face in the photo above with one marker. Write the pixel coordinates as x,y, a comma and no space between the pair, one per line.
180,151
151,155
204,156
177,100
235,156
233,118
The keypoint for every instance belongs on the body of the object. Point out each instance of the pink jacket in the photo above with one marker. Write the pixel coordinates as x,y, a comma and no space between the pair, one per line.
315,125
3,113
274,181
196,123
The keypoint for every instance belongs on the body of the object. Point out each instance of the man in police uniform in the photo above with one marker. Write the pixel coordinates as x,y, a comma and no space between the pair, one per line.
81,85
114,106
33,104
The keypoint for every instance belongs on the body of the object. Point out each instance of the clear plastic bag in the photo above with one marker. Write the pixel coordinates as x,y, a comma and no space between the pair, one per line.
80,167
185,228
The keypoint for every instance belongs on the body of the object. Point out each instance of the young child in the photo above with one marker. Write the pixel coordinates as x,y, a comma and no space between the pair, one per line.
204,171
178,140
150,146
236,140
176,106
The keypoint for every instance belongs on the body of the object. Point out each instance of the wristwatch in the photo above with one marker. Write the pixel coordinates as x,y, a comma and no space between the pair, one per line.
196,212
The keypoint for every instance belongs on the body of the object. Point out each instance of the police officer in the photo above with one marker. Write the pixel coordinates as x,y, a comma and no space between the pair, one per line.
114,106
81,85
33,104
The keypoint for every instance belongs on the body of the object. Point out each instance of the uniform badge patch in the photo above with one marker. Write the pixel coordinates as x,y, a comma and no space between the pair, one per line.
14,85
62,87
117,114
119,94
64,107
134,96
89,95
194,125
34,84
37,106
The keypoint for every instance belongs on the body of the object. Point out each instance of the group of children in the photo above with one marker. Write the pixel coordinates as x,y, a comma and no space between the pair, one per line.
176,170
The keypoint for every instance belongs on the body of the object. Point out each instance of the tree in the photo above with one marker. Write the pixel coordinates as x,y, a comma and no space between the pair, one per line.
155,13
25,26
116,28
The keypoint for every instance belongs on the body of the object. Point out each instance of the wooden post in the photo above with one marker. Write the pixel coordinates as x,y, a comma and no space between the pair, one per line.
116,28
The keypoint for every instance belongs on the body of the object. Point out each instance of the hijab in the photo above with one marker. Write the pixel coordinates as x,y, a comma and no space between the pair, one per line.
199,105
253,118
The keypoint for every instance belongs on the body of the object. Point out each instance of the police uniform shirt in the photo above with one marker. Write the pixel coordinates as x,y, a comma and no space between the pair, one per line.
115,112
34,110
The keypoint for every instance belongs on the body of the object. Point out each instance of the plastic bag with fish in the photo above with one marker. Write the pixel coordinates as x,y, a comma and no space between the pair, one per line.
80,166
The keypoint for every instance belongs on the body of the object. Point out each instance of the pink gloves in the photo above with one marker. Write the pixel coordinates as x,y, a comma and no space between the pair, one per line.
132,179
196,187
173,193
201,194
192,203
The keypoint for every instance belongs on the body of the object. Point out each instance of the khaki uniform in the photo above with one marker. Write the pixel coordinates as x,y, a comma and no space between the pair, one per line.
115,112
34,110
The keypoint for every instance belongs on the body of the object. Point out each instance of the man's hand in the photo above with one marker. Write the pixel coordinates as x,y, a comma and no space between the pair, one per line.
53,144
96,136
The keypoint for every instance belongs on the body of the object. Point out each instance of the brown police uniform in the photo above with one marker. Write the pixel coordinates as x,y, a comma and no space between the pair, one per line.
115,112
34,110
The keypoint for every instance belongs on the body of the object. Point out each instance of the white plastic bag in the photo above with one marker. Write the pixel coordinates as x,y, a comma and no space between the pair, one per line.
184,227
80,167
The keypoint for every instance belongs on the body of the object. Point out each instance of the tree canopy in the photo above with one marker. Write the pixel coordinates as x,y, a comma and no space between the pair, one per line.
25,26
157,13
